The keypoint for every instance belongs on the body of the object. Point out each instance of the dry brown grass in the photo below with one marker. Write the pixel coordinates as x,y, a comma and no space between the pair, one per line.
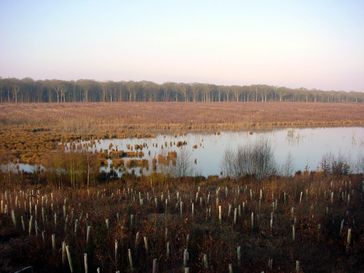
185,116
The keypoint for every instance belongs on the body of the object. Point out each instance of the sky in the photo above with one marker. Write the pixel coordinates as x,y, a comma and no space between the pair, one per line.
307,43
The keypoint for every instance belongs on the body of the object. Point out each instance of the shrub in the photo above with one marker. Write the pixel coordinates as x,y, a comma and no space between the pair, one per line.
250,160
334,165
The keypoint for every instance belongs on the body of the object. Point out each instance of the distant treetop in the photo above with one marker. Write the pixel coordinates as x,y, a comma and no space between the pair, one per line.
27,90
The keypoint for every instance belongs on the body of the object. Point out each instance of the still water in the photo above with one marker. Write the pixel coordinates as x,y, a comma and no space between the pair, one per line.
303,148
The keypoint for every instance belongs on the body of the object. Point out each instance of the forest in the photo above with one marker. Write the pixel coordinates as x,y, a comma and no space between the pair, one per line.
28,90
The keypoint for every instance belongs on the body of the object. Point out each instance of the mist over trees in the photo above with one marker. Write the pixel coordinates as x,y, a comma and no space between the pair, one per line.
57,91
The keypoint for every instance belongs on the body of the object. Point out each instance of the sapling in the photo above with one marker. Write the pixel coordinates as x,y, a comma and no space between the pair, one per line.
53,238
205,263
220,215
69,258
55,219
348,238
297,266
130,259
342,226
64,211
43,215
30,207
166,233
30,225
107,223
155,269
231,268
168,249
252,220
145,243
116,246
76,226
85,264
348,199
181,208
13,217
187,239
318,231
65,223
36,227
293,233
137,239
185,257
238,255
63,251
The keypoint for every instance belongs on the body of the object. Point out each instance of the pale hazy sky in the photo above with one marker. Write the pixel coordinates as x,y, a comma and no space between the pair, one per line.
307,43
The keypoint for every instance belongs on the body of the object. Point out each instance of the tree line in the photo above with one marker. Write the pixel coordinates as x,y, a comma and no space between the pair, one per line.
28,90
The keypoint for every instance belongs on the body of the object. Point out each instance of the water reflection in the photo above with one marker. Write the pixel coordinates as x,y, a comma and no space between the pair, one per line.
301,148
305,147
20,167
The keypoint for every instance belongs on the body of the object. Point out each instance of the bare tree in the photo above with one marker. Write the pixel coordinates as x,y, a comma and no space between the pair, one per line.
184,165
335,165
287,167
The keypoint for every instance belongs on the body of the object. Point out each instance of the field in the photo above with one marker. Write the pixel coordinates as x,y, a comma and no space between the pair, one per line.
307,223
141,118
31,130
69,217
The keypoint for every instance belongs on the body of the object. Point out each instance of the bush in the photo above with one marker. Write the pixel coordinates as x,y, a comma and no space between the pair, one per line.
250,160
73,169
334,165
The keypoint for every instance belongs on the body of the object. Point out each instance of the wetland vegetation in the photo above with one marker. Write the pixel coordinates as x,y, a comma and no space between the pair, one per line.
181,136
92,200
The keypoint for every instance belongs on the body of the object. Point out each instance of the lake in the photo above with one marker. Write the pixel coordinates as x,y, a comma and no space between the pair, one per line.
303,148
